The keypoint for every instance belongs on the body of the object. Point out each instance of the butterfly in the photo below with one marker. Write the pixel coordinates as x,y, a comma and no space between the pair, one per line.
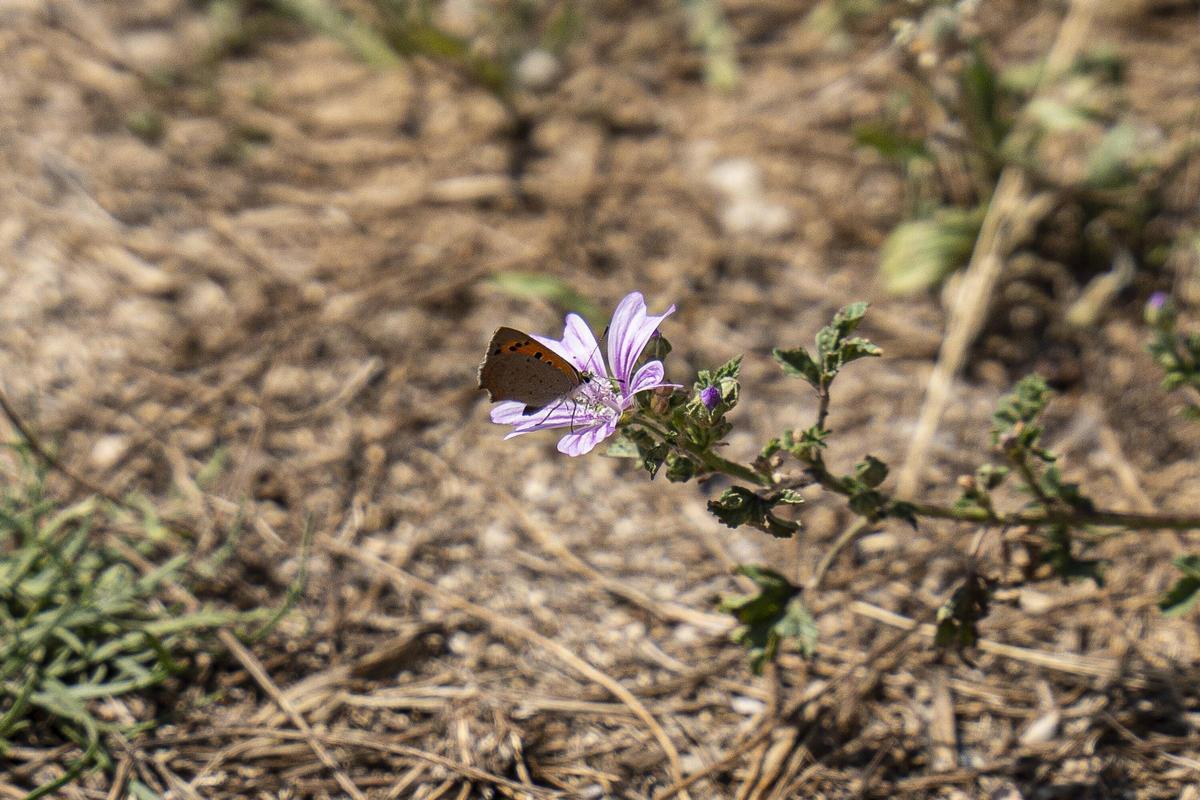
519,367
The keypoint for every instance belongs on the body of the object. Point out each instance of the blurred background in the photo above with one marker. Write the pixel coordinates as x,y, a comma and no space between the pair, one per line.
251,252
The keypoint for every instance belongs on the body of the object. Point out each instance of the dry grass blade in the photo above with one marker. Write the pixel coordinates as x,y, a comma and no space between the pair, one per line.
1062,662
505,625
368,741
552,544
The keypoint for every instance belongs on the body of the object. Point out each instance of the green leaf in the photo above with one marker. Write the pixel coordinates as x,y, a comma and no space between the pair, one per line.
805,444
958,618
871,471
1111,163
857,347
660,348
1052,485
1185,593
790,497
990,476
847,319
981,113
739,506
890,143
1013,427
920,254
622,447
353,33
866,502
729,369
775,613
533,286
1062,559
904,511
798,363
680,469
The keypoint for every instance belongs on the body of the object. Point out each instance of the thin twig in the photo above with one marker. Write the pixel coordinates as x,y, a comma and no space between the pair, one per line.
504,624
847,536
373,742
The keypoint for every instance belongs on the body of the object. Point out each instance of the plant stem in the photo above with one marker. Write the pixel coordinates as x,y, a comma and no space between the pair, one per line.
715,463
1035,517
709,460
822,403
1021,461
1039,517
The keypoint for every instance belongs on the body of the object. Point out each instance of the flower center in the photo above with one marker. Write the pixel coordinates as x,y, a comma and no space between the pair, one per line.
600,397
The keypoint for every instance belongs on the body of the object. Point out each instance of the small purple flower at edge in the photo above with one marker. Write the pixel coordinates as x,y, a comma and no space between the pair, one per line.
710,396
1156,307
593,410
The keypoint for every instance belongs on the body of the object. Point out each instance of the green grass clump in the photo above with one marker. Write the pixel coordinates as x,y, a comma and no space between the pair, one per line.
79,622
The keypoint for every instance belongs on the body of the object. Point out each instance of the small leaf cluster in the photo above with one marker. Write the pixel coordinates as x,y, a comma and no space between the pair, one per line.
775,613
710,423
1016,433
962,114
1014,424
739,506
679,433
977,489
958,618
835,348
1177,353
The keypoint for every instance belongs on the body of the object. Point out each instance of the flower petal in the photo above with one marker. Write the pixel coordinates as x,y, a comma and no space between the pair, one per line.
648,376
559,415
508,412
579,339
578,346
582,440
628,334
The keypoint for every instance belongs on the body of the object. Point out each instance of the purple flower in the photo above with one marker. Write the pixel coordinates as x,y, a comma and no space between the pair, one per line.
710,396
593,410
1157,307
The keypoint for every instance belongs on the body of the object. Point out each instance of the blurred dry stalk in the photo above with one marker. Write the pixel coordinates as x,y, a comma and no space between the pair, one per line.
1004,216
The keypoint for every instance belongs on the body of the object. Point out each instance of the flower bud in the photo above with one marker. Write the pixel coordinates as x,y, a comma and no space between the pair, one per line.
1156,306
710,396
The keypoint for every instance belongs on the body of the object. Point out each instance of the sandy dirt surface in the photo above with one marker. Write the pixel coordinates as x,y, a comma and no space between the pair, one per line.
290,278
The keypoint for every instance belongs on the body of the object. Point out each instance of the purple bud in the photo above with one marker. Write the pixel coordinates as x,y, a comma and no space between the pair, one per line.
1158,309
710,396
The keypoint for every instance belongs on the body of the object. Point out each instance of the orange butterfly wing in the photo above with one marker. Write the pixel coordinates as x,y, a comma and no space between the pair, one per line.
519,367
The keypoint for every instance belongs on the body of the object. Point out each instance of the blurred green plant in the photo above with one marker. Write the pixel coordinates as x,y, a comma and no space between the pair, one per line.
1176,352
547,288
772,615
501,47
959,121
80,624
710,32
